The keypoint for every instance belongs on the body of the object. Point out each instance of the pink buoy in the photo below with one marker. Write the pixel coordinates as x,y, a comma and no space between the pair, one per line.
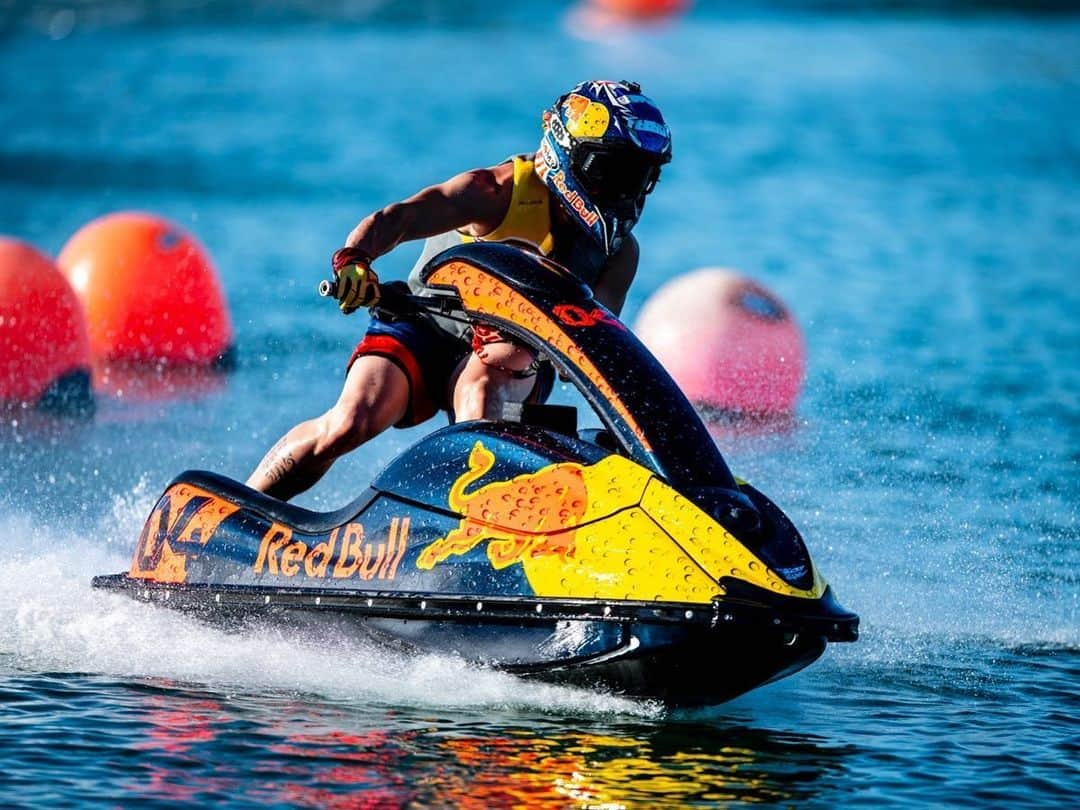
730,344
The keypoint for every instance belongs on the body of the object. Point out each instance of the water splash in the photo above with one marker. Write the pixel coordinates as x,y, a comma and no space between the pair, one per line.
51,620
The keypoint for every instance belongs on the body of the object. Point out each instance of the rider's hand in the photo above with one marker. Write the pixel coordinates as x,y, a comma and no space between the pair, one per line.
357,284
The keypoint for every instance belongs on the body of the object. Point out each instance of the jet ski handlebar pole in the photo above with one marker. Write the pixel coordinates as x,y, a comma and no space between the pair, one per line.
395,298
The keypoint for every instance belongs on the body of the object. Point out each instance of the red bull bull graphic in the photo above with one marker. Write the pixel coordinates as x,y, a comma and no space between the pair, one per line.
533,515
576,529
573,315
605,530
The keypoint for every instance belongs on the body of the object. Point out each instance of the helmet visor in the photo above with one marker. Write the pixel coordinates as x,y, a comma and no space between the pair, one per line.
614,173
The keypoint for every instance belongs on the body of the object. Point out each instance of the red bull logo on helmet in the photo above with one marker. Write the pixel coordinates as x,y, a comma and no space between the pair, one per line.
576,202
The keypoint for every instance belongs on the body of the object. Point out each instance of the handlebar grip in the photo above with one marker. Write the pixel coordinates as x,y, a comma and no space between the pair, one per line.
328,288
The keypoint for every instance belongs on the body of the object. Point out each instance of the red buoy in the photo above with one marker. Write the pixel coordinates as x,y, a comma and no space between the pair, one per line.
149,290
44,350
642,9
730,344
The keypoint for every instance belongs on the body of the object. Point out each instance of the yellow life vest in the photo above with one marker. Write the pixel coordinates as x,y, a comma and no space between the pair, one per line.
529,217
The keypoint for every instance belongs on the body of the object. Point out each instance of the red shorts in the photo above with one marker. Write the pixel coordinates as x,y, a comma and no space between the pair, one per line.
429,356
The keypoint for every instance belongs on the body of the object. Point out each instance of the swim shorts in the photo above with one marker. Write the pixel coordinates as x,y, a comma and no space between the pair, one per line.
428,356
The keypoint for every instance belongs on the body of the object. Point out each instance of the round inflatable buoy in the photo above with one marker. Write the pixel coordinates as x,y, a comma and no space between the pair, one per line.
44,350
642,9
149,290
730,344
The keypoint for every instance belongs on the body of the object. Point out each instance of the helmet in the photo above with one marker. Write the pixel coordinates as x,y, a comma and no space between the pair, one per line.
601,153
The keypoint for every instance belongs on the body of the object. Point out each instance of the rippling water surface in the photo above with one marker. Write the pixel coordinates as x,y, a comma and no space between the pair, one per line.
907,184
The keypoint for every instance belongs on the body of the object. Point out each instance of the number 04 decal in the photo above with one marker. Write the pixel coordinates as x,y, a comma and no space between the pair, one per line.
573,315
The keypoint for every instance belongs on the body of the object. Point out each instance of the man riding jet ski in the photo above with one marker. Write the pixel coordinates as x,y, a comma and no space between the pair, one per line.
626,557
575,200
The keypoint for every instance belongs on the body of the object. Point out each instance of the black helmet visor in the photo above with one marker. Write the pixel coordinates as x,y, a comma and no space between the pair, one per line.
614,173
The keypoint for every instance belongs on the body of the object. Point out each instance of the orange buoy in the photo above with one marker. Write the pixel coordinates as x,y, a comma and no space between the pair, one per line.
149,290
44,350
642,9
730,344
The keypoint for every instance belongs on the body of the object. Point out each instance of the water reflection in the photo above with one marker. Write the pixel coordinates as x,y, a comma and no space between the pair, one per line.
141,382
173,753
295,753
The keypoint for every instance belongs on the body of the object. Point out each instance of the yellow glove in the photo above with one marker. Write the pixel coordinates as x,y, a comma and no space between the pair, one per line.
357,284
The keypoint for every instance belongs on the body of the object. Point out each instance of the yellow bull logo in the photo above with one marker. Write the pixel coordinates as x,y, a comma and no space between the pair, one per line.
532,515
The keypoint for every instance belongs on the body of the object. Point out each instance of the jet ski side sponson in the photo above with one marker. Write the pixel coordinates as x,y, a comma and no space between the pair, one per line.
496,511
753,608
683,654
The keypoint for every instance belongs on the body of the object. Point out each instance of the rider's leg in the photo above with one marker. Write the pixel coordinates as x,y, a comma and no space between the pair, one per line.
489,379
375,396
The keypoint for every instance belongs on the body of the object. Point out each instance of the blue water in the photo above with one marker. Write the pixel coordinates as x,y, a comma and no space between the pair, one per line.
907,184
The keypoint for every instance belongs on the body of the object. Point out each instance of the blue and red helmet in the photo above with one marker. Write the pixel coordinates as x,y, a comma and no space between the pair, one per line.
603,146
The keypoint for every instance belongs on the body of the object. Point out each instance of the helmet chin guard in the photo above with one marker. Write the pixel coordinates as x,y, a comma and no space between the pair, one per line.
600,155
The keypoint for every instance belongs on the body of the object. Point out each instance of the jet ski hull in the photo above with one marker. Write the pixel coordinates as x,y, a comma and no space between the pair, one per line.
683,654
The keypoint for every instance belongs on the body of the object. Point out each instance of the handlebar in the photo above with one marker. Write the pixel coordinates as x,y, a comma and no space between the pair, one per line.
397,300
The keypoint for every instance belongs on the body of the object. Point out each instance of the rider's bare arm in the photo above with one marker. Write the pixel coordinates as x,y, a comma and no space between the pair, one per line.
475,200
617,275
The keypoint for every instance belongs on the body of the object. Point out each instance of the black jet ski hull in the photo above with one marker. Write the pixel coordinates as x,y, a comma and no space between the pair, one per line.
681,653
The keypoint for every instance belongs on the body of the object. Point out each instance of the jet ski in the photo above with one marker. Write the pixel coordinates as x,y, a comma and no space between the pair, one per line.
626,556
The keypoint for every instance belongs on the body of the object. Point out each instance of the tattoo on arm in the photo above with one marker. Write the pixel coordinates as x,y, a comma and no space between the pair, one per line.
278,463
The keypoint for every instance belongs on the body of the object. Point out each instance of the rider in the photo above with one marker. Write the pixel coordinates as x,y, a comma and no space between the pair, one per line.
575,199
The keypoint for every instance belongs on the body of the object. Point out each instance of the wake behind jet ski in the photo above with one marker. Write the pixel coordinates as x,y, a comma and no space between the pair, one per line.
627,556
